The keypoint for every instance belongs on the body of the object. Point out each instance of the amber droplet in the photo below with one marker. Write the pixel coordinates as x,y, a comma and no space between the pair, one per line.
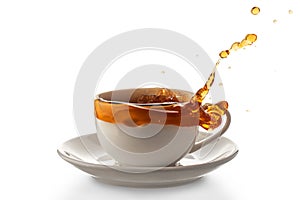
275,21
224,54
251,38
290,12
244,43
235,46
255,10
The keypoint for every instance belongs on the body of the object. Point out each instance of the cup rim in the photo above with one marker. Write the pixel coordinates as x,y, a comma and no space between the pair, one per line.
184,96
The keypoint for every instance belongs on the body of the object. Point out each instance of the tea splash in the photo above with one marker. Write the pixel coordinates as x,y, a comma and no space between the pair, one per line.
168,106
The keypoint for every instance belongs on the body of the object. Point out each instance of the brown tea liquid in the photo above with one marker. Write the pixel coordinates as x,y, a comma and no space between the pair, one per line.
138,107
156,105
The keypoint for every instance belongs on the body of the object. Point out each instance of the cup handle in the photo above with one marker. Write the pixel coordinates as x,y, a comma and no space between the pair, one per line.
207,140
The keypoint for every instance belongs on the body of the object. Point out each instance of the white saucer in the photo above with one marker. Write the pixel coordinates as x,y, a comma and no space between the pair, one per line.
97,163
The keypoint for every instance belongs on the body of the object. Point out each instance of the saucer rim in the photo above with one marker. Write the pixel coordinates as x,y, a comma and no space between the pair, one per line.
209,164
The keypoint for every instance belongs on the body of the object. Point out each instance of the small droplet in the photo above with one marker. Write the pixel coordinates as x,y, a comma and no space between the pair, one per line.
163,72
235,46
255,10
197,55
229,67
251,38
247,110
224,54
220,84
275,21
290,12
244,43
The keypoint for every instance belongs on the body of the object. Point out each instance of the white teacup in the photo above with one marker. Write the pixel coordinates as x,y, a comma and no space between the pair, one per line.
158,143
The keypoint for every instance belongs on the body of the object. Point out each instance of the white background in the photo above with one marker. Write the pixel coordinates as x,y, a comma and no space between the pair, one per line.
42,47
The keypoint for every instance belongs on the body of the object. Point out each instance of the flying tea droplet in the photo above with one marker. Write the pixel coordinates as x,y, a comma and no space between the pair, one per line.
251,38
224,54
235,46
255,10
244,43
